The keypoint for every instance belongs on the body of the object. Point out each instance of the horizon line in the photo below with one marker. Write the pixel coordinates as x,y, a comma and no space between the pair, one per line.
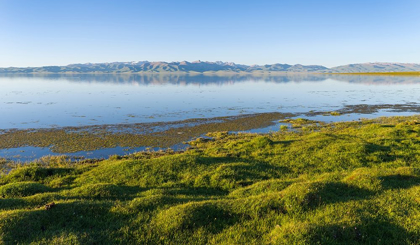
196,61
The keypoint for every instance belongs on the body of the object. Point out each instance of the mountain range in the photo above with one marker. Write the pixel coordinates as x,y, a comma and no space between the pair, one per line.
209,67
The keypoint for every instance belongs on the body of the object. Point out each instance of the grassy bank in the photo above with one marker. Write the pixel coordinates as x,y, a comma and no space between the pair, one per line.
349,183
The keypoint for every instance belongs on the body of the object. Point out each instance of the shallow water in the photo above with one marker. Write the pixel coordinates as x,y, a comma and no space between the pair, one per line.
30,153
55,101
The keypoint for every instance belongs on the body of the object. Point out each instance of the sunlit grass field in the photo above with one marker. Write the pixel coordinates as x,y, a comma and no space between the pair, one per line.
341,183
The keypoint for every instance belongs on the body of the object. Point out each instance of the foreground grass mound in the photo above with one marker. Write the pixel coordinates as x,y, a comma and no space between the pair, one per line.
101,190
22,189
342,183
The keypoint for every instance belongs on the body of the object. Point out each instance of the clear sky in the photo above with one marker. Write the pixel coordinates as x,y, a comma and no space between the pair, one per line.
324,32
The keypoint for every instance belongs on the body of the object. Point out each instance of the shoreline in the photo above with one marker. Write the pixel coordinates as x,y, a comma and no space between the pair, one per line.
163,135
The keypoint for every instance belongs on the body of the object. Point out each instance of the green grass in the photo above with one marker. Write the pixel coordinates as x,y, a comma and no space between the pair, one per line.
335,113
341,183
22,189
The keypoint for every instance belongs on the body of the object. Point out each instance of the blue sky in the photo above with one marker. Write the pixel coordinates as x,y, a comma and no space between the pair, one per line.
325,32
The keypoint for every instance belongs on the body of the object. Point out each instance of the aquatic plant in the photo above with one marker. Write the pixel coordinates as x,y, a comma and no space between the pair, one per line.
283,128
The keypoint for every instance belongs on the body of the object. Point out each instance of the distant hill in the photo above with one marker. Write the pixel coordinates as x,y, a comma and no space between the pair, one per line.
375,67
206,67
161,67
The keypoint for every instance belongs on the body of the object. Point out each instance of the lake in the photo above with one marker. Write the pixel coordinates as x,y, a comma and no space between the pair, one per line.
54,101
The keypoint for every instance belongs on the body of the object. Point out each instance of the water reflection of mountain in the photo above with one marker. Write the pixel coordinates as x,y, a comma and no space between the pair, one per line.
182,79
158,79
376,80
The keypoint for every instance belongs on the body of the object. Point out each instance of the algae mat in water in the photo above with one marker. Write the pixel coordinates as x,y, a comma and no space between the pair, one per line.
164,134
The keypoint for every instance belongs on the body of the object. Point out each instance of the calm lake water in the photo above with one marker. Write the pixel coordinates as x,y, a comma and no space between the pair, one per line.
55,100
81,100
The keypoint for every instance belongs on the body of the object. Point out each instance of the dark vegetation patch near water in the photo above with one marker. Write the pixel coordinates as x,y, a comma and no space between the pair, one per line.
370,109
340,183
164,134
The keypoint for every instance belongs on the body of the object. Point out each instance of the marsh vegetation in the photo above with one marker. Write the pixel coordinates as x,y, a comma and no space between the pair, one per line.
99,141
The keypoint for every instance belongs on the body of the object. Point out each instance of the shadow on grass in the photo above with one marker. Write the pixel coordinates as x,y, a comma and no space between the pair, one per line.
193,191
368,231
211,216
12,203
399,181
335,192
284,142
382,153
387,126
341,192
34,174
249,173
241,171
104,191
217,160
372,148
68,218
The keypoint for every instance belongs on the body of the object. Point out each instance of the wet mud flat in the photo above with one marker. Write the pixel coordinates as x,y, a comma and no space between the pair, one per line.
101,141
162,134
